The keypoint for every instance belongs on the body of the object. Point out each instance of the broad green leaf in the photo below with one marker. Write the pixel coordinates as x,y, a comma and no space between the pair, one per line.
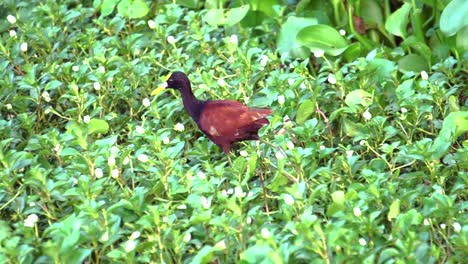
358,97
322,37
338,197
265,6
454,17
286,43
462,38
394,210
218,17
133,8
398,21
107,7
97,126
454,125
413,62
305,111
188,3
371,12
381,69
420,47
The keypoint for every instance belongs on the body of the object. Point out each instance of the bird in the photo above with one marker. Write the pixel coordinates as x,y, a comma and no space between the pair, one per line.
224,122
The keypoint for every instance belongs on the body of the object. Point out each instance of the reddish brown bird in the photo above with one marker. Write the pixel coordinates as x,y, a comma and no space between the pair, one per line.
222,121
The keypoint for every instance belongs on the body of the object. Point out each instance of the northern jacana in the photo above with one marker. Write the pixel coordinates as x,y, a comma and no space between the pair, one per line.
222,121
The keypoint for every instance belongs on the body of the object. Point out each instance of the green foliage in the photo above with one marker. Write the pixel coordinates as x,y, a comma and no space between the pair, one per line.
364,160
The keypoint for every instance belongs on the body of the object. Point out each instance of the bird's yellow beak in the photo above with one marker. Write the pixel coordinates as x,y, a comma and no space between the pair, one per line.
162,86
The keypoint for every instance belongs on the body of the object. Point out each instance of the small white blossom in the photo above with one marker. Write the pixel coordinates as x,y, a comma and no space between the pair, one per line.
179,127
457,227
443,226
221,245
74,180
249,220
426,222
291,81
205,202
126,160
111,161
47,111
31,220
75,68
146,102
115,173
135,235
97,86
166,140
130,245
265,233
288,199
114,150
319,53
143,158
238,192
281,99
187,237
403,110
279,155
322,147
151,24
331,78
140,130
98,173
105,237
224,193
12,33
367,115
11,19
201,175
182,207
230,191
243,153
221,82
362,242
362,142
342,32
86,119
349,153
101,69
234,40
302,86
263,60
24,47
32,204
424,75
290,145
171,40
357,211
46,96
9,106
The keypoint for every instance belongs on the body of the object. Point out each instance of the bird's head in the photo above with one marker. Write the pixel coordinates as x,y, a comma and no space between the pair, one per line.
176,80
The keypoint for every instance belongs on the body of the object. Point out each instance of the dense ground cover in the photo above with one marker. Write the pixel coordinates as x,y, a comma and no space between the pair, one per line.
94,168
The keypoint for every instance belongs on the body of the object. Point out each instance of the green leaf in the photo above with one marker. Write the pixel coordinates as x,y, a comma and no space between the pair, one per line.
107,7
322,37
397,22
454,125
371,12
338,197
413,62
394,210
286,43
454,17
97,126
217,17
265,6
305,111
132,8
358,97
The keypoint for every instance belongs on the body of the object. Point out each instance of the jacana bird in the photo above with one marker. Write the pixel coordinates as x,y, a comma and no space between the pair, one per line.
222,121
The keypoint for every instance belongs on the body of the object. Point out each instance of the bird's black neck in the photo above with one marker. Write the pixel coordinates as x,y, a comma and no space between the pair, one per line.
191,103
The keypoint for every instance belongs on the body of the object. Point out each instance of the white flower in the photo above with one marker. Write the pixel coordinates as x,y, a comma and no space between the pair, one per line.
32,204
47,111
426,222
357,211
12,33
403,110
263,60
362,142
249,220
114,150
101,69
221,245
238,192
105,237
424,75
24,47
288,199
243,153
182,207
319,53
31,220
151,24
146,102
9,106
221,82
126,160
75,68
74,180
201,175
302,86
97,86
290,145
98,173
362,242
265,233
171,40
331,78
349,153
179,127
230,191
115,173
140,130
291,81
166,140
11,19
342,32
224,193
281,99
143,158
187,237
46,96
130,245
456,227
322,147
443,226
135,235
279,155
86,119
233,39
205,202
111,161
367,115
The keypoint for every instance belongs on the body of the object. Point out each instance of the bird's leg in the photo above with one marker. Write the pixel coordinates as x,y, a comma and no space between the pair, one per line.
265,199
